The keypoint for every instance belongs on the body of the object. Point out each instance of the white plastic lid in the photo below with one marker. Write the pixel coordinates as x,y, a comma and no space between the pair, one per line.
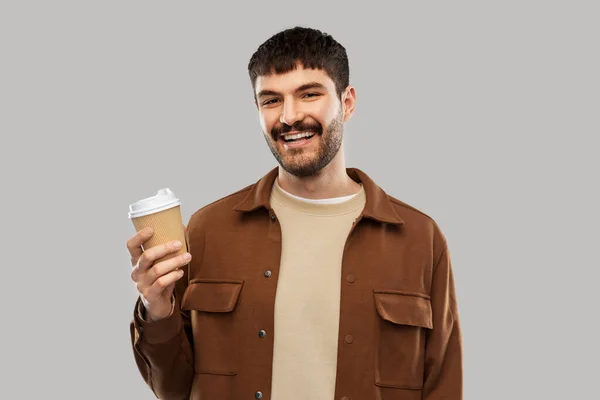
164,199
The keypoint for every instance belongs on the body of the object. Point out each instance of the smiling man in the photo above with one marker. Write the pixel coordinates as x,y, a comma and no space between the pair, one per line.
311,283
292,118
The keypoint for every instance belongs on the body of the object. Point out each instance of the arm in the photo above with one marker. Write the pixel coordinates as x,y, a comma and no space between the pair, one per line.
443,351
163,349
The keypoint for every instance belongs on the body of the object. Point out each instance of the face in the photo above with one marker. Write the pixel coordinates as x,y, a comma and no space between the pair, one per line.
299,102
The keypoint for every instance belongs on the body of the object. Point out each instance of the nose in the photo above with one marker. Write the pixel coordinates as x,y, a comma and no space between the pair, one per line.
290,114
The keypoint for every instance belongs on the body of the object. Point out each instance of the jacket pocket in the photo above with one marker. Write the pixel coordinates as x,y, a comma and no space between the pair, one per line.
212,304
404,319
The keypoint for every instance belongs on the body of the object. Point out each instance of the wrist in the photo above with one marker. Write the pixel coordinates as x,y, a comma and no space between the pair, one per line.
147,313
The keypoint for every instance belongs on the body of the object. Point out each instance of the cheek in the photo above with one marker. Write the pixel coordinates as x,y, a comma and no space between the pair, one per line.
337,110
266,122
327,114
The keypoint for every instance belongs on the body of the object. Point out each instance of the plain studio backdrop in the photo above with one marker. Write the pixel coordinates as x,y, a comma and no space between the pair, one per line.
483,116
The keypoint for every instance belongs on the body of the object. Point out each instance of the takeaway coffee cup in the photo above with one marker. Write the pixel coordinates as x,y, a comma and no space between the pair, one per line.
161,212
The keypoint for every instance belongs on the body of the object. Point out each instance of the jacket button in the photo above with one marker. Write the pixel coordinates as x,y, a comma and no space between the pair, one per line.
267,273
345,398
350,278
349,339
262,333
258,395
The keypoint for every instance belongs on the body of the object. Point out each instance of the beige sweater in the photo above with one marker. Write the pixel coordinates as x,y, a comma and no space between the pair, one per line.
308,292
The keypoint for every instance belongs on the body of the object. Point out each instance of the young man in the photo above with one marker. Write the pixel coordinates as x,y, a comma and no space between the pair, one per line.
312,283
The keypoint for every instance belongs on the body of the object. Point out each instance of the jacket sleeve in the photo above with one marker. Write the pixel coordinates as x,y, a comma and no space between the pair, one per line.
163,350
443,348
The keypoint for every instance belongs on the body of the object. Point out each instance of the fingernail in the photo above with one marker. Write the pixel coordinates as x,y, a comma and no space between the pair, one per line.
148,231
187,256
177,244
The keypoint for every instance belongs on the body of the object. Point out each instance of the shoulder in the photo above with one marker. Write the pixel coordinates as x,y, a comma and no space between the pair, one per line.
418,222
220,207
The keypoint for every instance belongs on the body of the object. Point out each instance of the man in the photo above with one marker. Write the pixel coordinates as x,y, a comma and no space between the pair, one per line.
312,283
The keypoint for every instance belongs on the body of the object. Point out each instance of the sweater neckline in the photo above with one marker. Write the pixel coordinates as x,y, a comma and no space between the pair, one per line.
328,207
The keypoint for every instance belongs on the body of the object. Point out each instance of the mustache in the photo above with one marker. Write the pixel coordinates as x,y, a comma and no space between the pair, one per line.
299,127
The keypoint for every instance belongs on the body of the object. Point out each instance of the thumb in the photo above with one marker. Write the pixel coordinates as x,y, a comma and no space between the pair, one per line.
187,238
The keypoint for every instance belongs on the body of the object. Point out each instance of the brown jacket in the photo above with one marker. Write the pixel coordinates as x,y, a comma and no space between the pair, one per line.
399,332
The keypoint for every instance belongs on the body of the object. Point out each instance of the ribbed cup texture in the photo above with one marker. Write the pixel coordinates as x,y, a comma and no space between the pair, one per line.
167,226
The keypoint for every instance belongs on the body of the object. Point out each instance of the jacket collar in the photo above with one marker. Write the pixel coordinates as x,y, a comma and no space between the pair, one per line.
377,207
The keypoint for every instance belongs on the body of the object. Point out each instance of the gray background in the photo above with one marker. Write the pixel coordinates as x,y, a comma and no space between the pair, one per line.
482,115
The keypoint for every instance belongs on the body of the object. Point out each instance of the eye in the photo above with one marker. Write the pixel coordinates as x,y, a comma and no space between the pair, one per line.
266,103
311,95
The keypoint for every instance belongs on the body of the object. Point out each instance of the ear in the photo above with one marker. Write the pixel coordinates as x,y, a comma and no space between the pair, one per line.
349,102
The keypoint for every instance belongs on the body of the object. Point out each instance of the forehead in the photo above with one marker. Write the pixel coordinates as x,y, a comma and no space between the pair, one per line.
289,81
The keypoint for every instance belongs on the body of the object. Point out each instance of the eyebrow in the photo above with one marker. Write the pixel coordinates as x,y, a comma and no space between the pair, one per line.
306,86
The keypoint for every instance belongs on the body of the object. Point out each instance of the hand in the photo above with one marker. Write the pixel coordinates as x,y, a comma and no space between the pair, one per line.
155,283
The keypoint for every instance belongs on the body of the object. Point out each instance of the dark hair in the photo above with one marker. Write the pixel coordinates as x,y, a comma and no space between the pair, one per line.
311,47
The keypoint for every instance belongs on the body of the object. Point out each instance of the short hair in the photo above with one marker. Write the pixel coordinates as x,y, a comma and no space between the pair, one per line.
312,48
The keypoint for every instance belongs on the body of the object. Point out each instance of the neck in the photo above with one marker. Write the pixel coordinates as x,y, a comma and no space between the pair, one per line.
332,181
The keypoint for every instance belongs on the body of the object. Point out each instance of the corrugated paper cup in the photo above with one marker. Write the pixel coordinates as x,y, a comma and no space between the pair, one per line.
161,212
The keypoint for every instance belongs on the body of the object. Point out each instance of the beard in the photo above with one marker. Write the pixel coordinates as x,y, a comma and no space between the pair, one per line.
301,162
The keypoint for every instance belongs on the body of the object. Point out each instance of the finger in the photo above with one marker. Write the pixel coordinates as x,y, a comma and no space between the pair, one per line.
161,284
148,257
135,276
164,267
134,244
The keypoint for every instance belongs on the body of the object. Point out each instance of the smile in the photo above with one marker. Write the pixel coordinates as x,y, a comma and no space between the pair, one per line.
298,139
298,136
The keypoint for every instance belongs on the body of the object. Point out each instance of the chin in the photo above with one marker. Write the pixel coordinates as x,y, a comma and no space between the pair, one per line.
303,170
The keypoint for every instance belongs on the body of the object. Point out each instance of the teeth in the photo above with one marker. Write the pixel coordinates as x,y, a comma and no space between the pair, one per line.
298,135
